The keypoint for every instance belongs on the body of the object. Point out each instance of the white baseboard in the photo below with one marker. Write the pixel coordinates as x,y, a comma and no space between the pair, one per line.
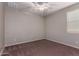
22,42
74,46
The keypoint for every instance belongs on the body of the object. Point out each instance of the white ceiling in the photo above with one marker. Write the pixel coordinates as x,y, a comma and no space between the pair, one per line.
29,7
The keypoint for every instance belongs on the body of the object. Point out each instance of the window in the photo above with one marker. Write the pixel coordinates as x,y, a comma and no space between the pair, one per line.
73,21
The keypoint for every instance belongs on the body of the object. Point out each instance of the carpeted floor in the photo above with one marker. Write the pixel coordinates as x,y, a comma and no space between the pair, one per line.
40,48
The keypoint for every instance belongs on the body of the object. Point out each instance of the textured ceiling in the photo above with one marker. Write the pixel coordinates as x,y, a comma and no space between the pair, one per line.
31,7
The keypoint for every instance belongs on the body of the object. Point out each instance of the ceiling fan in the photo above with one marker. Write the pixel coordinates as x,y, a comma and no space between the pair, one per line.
41,6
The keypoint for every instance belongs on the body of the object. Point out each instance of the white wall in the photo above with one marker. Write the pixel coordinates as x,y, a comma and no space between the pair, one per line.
22,28
57,28
1,28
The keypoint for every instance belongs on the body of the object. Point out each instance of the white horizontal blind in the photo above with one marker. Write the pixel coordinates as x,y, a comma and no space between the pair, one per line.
73,21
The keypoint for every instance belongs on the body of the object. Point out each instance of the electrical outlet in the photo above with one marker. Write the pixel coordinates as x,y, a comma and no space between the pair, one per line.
15,39
77,42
